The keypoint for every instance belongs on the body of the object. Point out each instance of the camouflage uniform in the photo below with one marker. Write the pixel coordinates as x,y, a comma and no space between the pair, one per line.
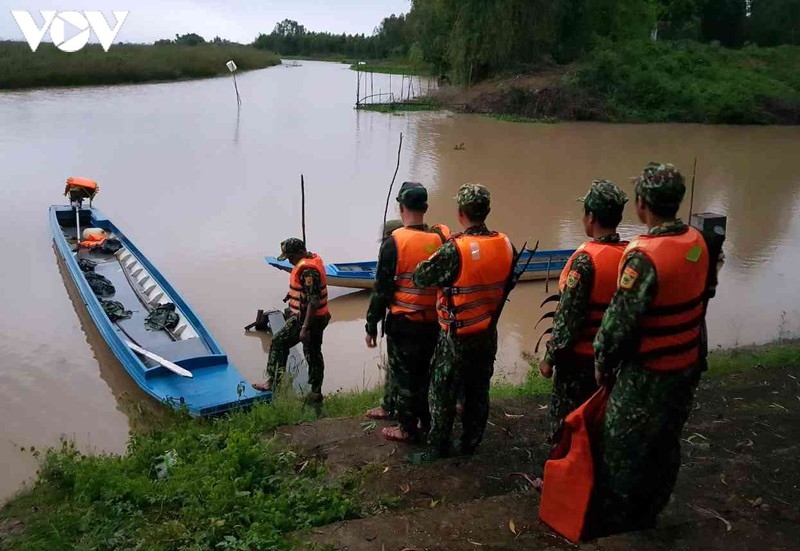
639,445
573,380
289,336
463,363
409,344
389,385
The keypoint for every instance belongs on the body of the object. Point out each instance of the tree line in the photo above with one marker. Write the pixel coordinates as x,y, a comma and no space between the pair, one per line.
473,39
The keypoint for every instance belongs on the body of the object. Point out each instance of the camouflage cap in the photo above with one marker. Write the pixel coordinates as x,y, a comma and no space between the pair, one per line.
390,226
604,196
661,184
475,196
413,195
293,245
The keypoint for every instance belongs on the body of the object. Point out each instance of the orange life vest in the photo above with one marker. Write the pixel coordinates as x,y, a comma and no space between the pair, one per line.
297,298
93,240
414,246
671,326
605,259
569,472
470,304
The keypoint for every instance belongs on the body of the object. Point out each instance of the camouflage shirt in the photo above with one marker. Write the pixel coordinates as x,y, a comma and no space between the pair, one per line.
621,320
573,304
384,288
312,289
442,268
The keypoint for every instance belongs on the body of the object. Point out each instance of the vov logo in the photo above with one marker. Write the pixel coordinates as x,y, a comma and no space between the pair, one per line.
56,22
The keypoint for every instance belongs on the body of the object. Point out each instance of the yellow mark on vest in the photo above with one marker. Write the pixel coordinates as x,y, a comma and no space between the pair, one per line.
573,278
629,276
694,253
429,248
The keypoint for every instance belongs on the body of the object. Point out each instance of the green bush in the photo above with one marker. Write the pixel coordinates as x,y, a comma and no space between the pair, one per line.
692,82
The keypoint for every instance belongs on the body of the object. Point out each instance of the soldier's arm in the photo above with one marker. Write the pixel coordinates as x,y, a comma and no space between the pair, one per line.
384,288
441,268
312,286
636,289
572,308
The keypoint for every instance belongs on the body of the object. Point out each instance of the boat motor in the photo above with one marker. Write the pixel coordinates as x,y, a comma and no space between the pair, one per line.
78,189
713,227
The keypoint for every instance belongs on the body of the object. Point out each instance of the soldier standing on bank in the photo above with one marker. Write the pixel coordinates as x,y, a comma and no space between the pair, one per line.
586,285
650,341
411,325
387,408
308,302
471,271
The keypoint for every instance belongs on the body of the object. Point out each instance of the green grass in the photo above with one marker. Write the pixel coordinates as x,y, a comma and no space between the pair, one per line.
392,67
233,486
123,63
521,119
332,57
741,360
692,82
397,107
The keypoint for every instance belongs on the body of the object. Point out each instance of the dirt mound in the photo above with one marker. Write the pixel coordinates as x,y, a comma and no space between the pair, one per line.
739,485
540,95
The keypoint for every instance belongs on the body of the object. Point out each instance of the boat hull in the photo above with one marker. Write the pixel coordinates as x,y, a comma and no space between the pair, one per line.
361,275
216,386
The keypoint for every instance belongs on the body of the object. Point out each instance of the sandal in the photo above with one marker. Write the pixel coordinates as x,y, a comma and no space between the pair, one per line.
378,413
397,434
263,387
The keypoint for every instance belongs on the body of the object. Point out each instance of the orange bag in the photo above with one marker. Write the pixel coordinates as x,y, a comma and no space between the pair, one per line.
569,473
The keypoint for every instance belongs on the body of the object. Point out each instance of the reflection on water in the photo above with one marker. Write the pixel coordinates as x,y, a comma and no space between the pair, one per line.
141,409
206,190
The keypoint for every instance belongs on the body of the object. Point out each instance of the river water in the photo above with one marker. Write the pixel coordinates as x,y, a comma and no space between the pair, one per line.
206,191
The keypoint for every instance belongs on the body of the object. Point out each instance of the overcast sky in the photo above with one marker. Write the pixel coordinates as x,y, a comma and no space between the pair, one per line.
237,20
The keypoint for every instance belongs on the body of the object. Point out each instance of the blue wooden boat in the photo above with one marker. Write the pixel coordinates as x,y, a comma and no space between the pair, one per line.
213,384
361,275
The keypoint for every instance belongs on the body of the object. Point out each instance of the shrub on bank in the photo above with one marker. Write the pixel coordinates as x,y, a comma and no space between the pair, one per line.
123,63
693,82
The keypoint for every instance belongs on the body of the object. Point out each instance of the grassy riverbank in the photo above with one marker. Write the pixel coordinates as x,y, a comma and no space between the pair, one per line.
395,67
122,64
236,483
649,82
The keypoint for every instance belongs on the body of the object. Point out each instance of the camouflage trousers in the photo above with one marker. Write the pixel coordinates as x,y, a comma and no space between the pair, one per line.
573,384
288,337
461,365
638,453
389,400
410,347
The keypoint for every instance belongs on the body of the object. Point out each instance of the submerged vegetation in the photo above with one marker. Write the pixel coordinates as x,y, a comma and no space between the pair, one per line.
228,483
122,64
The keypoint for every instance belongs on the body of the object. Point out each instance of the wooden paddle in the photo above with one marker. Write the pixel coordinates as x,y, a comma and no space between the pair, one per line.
175,368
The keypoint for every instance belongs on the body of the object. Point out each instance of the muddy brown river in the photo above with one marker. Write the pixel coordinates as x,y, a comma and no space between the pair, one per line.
206,193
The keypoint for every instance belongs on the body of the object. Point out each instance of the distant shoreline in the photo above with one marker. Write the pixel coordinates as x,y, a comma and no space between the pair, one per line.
48,67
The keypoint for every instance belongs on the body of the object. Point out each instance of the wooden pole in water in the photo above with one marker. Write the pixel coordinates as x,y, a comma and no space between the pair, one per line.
691,196
389,196
303,206
231,65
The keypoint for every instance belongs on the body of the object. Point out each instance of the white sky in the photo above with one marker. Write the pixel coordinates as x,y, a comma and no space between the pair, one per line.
237,20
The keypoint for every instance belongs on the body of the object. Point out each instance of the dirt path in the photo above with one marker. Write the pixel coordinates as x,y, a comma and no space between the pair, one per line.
739,485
